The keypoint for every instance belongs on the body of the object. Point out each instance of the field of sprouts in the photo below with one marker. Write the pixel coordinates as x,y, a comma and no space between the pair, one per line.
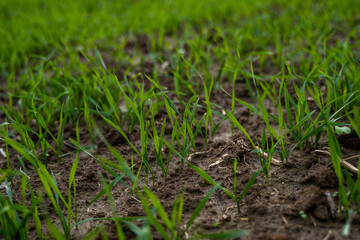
175,119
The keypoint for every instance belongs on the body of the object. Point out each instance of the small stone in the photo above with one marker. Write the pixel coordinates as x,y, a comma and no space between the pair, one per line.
226,218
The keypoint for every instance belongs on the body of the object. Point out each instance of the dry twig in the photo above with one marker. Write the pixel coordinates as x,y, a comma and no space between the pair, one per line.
329,235
332,205
343,162
273,160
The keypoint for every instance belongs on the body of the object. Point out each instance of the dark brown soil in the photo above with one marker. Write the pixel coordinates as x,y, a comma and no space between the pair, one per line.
270,210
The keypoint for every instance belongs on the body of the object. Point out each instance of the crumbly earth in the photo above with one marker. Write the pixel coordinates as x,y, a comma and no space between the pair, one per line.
270,210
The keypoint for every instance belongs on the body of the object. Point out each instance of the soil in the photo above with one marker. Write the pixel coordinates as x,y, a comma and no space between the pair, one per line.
270,210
